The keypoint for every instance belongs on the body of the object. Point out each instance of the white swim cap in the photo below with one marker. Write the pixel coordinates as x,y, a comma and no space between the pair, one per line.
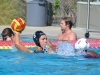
81,44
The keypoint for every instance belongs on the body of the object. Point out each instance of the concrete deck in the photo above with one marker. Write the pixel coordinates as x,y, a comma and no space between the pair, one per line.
53,31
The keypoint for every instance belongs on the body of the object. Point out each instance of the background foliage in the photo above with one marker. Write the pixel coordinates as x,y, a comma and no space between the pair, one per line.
10,9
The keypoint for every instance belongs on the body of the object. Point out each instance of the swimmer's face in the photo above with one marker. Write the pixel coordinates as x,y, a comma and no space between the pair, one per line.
43,40
63,26
7,38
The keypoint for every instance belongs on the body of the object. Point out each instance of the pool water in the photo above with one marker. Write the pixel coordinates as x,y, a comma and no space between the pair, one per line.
22,63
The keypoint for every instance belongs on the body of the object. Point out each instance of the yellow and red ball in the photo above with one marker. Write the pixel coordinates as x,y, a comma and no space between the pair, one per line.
18,24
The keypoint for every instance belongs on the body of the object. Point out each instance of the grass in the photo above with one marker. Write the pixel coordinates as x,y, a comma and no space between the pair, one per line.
10,9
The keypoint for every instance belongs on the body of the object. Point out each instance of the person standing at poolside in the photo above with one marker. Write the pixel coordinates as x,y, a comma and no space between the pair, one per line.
66,32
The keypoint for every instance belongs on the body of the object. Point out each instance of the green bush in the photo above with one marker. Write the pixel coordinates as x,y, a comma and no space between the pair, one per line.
10,9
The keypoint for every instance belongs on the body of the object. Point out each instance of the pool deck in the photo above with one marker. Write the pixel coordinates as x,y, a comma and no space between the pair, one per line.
53,31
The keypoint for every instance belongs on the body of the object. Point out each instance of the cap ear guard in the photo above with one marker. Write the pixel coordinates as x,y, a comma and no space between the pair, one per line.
36,40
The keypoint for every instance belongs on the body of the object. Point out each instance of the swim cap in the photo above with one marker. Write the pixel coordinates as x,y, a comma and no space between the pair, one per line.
82,44
36,37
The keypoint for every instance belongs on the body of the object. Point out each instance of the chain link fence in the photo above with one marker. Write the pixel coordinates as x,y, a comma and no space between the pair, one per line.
17,8
65,8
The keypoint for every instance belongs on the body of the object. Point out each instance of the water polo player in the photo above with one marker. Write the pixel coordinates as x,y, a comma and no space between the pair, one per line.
7,34
81,48
41,42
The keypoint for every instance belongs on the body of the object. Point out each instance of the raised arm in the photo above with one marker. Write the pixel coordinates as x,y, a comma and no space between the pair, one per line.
19,45
51,45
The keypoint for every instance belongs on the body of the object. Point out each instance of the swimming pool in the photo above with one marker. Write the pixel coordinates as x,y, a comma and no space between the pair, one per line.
22,63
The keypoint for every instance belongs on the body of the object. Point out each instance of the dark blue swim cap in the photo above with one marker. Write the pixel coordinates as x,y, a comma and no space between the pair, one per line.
36,37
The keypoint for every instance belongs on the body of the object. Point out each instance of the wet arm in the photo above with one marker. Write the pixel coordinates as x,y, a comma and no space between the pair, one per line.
19,45
51,45
93,54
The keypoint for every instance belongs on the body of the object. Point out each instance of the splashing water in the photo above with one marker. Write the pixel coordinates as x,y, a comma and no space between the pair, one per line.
14,49
80,52
65,48
46,48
